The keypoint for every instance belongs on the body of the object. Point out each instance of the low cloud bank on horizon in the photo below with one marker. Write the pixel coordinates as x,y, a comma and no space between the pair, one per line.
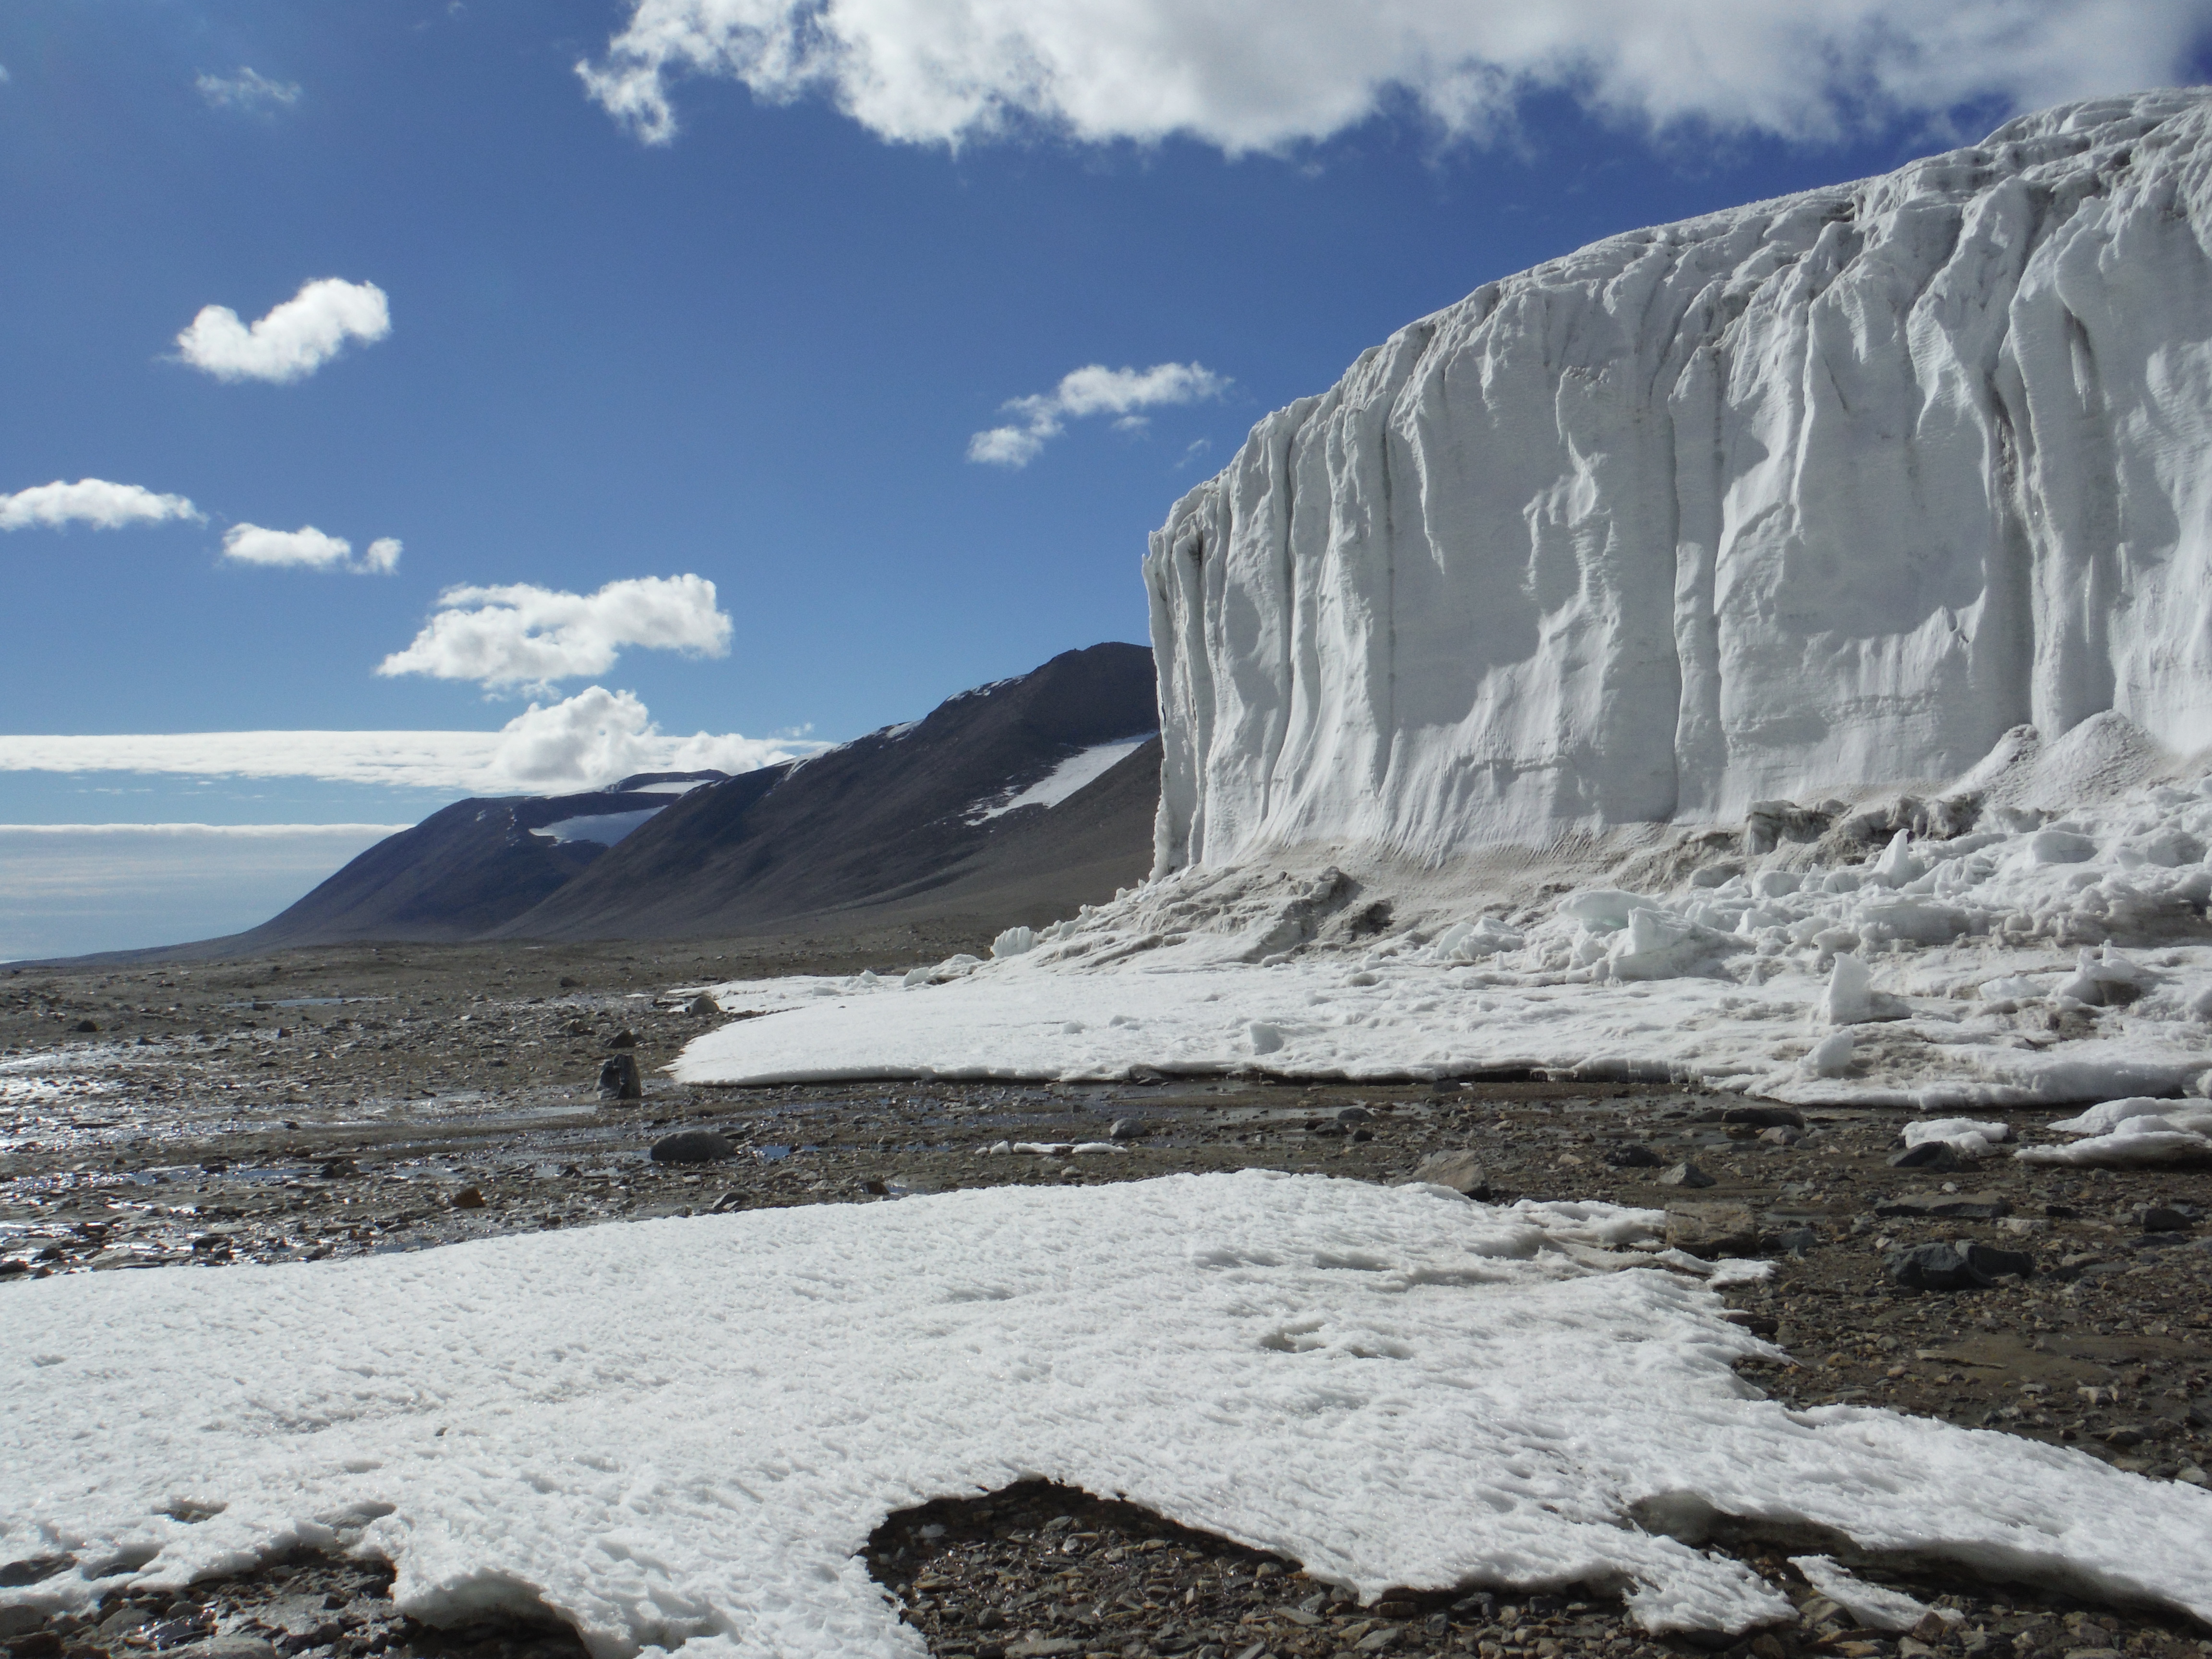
1263,74
293,340
582,742
1093,389
227,831
525,637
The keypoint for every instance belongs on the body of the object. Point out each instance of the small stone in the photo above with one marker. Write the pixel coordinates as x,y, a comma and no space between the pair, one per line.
1710,1230
1350,1115
469,1198
20,1621
702,1007
1764,1117
618,1079
569,984
692,1146
1932,1155
622,1040
1957,1264
225,1647
1630,1156
1686,1173
124,1620
36,1645
33,1570
1952,1207
1127,1128
1460,1171
1781,1135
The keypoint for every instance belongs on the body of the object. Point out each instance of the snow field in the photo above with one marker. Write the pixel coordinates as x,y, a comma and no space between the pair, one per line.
682,1432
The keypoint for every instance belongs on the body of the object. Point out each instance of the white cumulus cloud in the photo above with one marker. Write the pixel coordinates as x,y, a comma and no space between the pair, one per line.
597,736
293,340
1247,74
96,501
1091,390
307,547
525,635
582,742
255,94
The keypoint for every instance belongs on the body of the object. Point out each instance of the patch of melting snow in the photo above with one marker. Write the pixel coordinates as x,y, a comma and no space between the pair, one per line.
1393,1385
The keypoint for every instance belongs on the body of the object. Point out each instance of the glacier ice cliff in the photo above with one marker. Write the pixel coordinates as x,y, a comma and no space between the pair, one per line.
1826,492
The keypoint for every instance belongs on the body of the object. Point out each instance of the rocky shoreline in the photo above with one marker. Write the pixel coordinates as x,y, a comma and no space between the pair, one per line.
337,1104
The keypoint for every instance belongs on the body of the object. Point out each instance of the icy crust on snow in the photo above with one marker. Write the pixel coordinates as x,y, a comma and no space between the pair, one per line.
1943,975
682,1432
1816,494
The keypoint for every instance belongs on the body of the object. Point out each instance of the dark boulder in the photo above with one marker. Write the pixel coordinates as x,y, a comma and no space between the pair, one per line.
1956,1265
692,1146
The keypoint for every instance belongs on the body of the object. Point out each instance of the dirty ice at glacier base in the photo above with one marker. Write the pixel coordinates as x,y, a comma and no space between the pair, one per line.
2046,958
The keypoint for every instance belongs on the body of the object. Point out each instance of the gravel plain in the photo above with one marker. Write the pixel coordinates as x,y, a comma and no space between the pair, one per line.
336,1102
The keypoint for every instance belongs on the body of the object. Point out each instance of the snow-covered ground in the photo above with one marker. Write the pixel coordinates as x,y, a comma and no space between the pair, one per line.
682,1432
2044,958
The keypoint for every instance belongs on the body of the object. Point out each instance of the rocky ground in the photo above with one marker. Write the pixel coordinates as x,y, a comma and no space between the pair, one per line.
336,1103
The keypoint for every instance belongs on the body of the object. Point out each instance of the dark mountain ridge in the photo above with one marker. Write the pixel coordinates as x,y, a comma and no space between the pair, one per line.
892,820
910,825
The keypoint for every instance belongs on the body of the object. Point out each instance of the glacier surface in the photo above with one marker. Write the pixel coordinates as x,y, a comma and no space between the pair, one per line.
682,1432
1815,494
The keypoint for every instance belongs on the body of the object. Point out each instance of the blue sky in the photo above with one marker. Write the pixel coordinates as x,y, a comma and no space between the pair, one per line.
755,349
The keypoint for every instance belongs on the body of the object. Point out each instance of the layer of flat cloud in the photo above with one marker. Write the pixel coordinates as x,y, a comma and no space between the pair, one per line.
525,635
293,340
69,888
247,91
1091,390
308,548
581,742
93,501
1247,74
200,831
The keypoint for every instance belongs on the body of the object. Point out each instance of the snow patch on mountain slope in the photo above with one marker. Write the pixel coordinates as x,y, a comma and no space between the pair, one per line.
605,828
1085,766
